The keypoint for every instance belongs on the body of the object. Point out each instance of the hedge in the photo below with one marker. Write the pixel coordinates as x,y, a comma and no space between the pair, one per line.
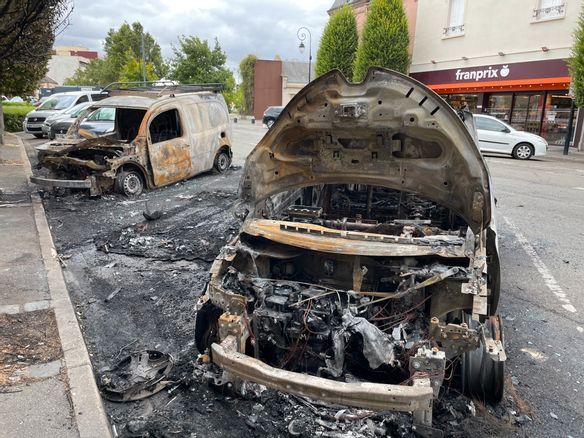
14,114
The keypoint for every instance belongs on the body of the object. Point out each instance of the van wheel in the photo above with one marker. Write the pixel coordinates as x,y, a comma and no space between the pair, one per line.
222,161
129,183
270,124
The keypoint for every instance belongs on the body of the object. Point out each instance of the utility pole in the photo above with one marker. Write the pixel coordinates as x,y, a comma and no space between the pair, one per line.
143,57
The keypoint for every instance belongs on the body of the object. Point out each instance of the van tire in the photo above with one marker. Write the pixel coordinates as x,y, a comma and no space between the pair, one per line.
129,183
222,161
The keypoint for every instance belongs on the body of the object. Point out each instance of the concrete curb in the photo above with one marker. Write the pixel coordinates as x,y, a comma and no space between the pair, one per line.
89,412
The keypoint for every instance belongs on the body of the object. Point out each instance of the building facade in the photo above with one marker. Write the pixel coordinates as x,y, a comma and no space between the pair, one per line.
276,82
507,59
65,61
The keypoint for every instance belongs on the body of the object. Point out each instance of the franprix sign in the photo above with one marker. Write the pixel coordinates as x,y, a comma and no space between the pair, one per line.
484,73
554,68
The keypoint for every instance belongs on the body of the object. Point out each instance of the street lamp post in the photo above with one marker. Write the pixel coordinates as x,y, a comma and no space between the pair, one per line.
301,34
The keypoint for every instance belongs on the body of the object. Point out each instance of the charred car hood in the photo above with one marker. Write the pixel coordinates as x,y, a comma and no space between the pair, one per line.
61,147
390,130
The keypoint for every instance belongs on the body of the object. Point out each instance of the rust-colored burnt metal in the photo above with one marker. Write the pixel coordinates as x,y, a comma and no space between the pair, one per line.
159,139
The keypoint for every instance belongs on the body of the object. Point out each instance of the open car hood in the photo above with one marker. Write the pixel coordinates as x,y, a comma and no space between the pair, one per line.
390,130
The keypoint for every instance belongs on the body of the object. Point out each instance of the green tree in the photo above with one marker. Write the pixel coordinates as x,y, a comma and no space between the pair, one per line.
577,62
121,46
338,44
385,39
91,74
27,32
195,62
129,38
132,70
246,70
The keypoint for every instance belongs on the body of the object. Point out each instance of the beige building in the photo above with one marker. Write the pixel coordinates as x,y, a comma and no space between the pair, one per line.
507,59
65,61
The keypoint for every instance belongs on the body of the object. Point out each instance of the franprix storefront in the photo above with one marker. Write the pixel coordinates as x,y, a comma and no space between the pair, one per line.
530,96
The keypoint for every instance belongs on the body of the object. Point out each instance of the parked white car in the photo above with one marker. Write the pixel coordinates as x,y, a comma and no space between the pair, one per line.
498,137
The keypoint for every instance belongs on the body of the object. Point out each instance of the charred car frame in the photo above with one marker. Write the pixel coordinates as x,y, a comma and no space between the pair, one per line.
162,135
367,266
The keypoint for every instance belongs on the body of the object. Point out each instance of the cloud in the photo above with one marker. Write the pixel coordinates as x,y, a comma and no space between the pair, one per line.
241,26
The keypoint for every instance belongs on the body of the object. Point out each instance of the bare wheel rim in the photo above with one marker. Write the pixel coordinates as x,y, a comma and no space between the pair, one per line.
523,151
132,184
222,161
270,123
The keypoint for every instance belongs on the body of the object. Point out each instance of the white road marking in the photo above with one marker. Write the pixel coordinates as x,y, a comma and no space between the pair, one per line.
580,329
543,270
579,188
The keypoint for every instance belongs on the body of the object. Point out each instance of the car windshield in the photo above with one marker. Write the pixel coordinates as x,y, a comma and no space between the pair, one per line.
58,102
76,110
103,115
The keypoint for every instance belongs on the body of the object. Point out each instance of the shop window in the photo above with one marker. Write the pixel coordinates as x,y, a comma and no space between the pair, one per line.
499,106
455,25
549,10
527,112
463,101
165,126
556,117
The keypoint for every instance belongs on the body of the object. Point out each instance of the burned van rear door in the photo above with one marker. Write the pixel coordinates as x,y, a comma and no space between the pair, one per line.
169,147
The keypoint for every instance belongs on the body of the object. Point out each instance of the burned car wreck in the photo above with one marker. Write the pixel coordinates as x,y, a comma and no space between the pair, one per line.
366,270
161,134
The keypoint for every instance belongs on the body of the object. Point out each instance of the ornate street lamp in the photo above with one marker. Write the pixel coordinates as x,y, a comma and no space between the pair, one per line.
301,34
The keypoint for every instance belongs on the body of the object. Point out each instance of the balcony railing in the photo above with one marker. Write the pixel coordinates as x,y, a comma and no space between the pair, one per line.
453,30
549,12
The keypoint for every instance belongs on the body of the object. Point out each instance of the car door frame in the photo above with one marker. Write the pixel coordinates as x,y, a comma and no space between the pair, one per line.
170,160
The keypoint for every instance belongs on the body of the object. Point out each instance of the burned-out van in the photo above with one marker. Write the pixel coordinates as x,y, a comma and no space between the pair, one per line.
161,135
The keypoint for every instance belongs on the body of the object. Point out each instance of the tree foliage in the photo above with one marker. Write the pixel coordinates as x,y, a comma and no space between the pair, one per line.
385,39
195,62
338,44
246,70
27,32
123,58
577,62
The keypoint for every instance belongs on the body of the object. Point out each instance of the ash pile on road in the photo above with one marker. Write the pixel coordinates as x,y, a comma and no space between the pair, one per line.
183,233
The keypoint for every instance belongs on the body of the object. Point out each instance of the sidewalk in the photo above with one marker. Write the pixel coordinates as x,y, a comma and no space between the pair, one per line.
47,387
556,153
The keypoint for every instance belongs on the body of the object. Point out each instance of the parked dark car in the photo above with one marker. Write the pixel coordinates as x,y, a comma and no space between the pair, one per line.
98,123
271,114
65,119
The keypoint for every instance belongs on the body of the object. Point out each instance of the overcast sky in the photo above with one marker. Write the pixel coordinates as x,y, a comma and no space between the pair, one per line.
265,28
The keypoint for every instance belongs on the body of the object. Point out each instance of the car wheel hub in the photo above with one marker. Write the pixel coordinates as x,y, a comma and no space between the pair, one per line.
523,151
